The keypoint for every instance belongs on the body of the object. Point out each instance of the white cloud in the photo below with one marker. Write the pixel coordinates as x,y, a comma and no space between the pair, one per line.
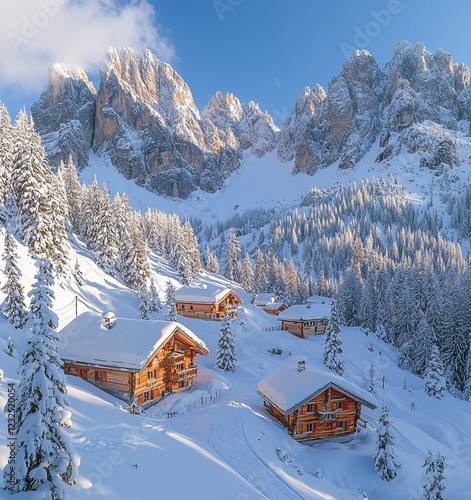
78,33
275,83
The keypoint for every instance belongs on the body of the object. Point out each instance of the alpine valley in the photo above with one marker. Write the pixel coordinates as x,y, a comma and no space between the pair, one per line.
131,201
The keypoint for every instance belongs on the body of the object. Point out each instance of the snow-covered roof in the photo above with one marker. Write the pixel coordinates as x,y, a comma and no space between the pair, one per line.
303,312
273,306
319,299
128,344
262,299
204,294
288,389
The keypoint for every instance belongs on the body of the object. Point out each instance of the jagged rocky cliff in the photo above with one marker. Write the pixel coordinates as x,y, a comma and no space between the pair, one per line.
144,118
413,105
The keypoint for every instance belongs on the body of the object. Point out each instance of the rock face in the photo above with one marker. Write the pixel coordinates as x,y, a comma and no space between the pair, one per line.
295,130
341,125
65,116
426,95
145,120
414,105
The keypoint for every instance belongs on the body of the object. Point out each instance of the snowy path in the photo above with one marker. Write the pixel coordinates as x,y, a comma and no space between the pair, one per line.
232,446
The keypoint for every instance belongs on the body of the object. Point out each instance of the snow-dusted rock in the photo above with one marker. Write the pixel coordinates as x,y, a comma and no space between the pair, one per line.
292,142
425,92
64,115
346,123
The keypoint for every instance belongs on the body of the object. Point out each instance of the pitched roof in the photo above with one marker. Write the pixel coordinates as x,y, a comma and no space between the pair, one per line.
273,306
303,312
288,389
262,299
319,299
206,294
129,344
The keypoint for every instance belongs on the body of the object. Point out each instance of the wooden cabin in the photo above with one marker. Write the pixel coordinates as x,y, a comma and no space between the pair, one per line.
269,304
314,404
305,320
138,361
206,301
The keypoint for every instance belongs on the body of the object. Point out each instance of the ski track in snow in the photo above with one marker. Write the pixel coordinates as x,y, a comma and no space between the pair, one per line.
231,444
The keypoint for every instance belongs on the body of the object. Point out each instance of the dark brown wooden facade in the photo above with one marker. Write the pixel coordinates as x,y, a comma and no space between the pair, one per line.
205,308
330,415
305,328
169,369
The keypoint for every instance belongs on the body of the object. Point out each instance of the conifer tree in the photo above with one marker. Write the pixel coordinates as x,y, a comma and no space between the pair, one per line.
372,378
260,273
45,458
333,358
106,237
435,383
232,270
170,302
211,262
144,305
6,161
77,273
14,307
225,354
385,462
246,274
433,480
154,300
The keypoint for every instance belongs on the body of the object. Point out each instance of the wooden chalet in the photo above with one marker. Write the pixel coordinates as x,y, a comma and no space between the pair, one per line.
138,361
314,404
269,304
305,320
206,301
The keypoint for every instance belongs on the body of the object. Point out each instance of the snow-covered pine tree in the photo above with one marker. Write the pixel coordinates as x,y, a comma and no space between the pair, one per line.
372,377
77,273
260,273
423,343
435,382
74,193
225,353
45,458
333,358
6,161
154,300
106,236
39,197
13,307
385,461
467,385
170,302
246,274
192,248
144,306
232,269
433,479
211,262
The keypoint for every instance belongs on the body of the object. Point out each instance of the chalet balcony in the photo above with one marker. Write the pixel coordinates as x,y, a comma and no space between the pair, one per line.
182,375
327,416
174,358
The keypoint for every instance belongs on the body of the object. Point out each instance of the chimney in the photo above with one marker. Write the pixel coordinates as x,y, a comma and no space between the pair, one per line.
301,364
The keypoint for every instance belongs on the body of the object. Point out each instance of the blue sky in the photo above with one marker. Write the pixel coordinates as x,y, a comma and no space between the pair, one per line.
261,50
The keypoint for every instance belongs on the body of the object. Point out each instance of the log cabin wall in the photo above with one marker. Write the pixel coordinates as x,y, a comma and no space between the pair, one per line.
118,383
304,329
170,369
203,310
330,414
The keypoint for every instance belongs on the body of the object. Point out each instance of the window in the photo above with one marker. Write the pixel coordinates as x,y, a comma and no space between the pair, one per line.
151,374
339,405
183,307
147,395
99,376
341,425
311,408
309,428
191,308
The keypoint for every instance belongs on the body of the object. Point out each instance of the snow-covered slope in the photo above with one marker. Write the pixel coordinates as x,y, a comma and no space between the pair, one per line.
219,441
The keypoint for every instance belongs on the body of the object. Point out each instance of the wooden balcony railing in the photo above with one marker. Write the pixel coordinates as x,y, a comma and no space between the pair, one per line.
182,375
